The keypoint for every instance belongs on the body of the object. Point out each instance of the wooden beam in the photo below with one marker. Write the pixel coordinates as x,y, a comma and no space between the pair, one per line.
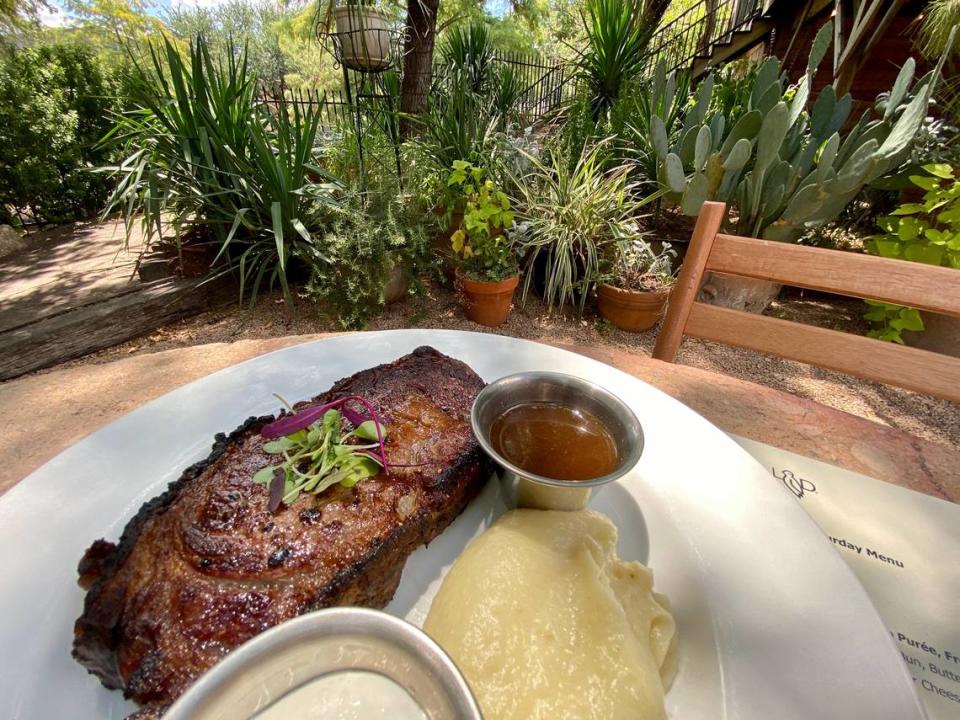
926,287
684,294
103,324
918,370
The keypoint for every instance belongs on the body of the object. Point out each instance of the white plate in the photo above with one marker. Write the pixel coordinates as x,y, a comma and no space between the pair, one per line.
772,623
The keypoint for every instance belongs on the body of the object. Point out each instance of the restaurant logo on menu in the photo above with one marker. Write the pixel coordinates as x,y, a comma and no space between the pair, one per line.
798,486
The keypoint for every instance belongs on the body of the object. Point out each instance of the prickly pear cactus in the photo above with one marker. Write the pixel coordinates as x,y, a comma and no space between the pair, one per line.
784,163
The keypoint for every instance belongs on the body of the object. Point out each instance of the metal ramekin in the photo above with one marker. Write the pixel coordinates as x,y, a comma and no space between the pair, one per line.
551,387
315,645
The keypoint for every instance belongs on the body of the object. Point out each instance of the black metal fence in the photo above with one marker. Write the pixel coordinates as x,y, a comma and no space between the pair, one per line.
544,87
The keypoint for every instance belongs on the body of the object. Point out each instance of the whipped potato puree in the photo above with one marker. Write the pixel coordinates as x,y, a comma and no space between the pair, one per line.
547,623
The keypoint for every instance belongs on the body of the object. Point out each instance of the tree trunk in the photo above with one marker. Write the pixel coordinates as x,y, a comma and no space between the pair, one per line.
417,60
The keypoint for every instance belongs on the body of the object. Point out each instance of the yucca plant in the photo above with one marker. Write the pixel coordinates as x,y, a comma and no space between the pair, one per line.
467,56
567,213
617,33
201,152
506,92
459,125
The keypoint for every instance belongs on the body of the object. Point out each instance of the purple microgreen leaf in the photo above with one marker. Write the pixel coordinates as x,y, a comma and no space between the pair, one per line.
353,417
373,455
276,490
298,421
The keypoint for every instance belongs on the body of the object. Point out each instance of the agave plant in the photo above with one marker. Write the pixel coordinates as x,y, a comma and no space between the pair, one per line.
201,152
567,213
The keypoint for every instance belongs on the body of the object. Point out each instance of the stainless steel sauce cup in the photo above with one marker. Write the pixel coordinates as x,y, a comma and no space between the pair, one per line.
333,642
527,489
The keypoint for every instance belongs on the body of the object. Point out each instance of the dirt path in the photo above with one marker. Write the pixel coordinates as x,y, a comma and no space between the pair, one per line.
919,415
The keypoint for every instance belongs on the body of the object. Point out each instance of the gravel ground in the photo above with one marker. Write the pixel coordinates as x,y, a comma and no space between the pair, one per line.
919,415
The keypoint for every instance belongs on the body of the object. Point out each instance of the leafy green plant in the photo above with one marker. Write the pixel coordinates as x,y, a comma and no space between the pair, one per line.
199,152
483,249
927,232
634,264
55,102
733,89
889,321
617,37
367,241
567,213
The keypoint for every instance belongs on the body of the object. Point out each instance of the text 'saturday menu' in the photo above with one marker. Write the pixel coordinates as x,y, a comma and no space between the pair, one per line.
904,547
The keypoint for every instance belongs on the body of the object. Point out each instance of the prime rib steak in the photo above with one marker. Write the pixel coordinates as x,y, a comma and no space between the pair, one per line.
206,566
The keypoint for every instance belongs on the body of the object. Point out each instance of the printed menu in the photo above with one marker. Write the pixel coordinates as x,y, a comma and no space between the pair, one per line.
904,547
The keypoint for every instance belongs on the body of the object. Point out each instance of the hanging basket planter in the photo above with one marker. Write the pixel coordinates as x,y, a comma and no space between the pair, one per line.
363,36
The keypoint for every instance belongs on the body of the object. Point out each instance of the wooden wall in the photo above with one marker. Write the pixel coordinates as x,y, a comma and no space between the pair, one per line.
876,75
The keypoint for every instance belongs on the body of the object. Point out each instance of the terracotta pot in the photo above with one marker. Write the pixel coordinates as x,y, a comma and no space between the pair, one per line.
196,260
487,303
739,293
630,310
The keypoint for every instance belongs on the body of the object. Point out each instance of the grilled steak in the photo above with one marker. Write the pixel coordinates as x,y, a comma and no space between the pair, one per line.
206,566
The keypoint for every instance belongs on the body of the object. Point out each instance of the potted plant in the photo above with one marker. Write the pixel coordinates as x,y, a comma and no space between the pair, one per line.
487,271
364,35
636,285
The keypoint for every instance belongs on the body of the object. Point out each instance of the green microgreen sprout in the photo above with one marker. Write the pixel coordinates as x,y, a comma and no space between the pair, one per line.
320,455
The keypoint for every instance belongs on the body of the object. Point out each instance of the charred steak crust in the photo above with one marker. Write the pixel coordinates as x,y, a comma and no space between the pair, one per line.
204,566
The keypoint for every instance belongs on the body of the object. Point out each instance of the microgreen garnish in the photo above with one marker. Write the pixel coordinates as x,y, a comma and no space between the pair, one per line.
315,452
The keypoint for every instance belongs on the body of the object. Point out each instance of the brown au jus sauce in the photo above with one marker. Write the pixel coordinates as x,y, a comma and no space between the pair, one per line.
555,441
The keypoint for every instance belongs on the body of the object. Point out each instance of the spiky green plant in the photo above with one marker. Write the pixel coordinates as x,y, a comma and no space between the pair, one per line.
617,33
567,213
200,152
466,55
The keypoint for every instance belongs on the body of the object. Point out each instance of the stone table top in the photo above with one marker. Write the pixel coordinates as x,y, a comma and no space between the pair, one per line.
53,410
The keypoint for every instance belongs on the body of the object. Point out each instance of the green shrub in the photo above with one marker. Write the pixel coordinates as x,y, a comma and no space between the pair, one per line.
567,213
355,257
55,105
927,232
